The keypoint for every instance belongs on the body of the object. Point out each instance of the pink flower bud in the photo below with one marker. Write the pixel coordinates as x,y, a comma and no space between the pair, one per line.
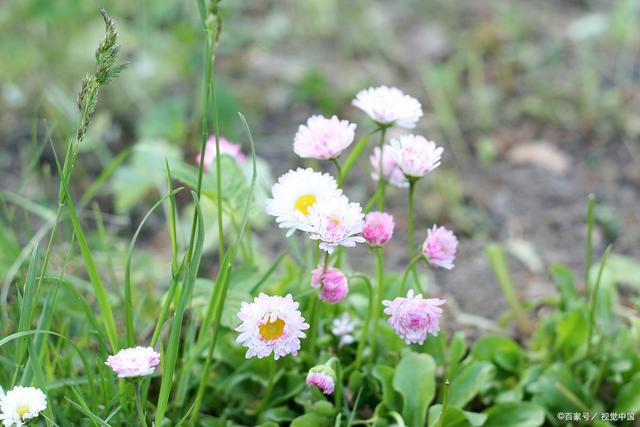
378,228
226,147
440,247
333,284
321,378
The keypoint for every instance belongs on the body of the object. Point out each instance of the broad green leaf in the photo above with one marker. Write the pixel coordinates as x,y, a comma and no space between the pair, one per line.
628,399
453,417
503,351
571,333
458,347
514,414
390,398
280,414
312,420
414,379
624,269
474,419
469,382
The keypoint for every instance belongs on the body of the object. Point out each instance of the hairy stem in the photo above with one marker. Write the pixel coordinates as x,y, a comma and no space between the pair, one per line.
378,300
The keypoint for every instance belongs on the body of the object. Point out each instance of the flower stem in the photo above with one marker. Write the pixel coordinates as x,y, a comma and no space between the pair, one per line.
338,391
365,328
378,300
141,416
313,330
381,178
445,402
412,188
409,268
354,155
337,164
270,385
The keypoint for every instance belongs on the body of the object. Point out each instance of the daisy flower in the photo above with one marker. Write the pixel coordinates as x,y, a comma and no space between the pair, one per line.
21,404
134,362
342,327
440,247
388,106
295,193
415,155
323,138
271,324
333,284
390,170
378,228
323,377
413,317
226,147
335,221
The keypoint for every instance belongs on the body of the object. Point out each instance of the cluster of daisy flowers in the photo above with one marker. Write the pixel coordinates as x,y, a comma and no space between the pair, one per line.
311,202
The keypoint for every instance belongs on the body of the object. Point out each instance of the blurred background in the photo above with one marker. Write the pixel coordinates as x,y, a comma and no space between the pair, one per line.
536,103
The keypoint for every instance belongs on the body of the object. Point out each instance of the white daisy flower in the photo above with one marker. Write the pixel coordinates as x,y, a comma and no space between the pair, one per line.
323,138
271,324
415,155
342,327
21,404
295,193
335,221
388,106
134,362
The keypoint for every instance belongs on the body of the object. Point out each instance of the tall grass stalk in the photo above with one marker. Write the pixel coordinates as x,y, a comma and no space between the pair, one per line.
225,270
588,254
594,299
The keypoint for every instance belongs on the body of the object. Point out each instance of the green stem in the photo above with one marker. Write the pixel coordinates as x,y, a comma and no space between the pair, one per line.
270,384
365,327
594,298
382,183
445,403
355,154
378,301
216,130
409,268
338,390
412,249
141,416
588,255
337,165
313,331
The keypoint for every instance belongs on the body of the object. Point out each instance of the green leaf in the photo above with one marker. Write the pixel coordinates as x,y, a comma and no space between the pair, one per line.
571,333
628,399
453,417
414,379
563,278
312,420
468,382
390,398
558,390
503,351
624,269
514,414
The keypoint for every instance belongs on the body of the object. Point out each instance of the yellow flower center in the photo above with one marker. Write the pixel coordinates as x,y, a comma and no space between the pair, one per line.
22,410
272,330
304,202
